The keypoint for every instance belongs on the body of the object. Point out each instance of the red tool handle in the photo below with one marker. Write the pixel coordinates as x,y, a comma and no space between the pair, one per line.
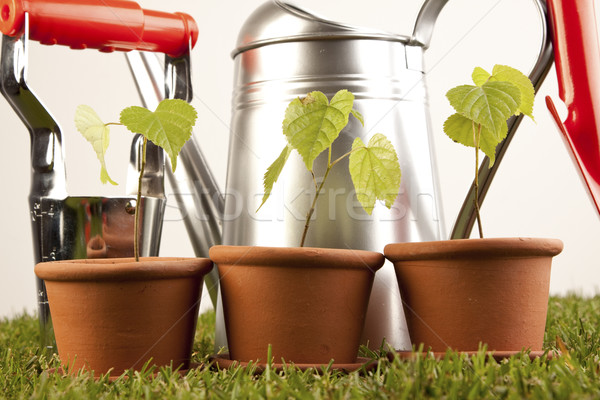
577,57
106,25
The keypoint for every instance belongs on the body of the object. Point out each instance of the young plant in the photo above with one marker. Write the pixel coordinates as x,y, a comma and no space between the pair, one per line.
311,125
482,111
168,127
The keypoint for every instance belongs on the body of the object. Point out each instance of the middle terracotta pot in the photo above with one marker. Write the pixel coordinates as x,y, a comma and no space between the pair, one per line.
308,304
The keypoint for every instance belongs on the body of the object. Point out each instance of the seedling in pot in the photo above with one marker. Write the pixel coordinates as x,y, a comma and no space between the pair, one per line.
168,127
311,125
482,111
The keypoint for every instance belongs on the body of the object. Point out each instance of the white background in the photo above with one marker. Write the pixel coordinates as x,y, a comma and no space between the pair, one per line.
537,191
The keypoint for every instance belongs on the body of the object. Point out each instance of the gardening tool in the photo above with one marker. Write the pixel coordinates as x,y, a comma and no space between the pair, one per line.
67,227
284,52
577,56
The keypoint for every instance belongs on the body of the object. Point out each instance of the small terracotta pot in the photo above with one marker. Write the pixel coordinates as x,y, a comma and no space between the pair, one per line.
309,304
96,247
117,313
460,293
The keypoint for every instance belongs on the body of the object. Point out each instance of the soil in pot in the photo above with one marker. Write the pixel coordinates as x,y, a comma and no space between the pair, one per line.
460,293
117,313
308,304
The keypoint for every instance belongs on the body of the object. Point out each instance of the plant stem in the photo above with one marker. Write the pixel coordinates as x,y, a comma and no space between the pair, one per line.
312,173
318,189
312,207
345,155
477,137
136,238
314,202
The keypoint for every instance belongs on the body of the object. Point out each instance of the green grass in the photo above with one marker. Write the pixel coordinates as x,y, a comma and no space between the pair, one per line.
573,320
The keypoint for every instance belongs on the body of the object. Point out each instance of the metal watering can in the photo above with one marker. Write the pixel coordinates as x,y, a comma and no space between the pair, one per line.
386,74
284,52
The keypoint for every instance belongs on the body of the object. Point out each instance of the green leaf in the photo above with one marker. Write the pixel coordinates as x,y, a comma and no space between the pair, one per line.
462,130
343,101
375,172
312,124
520,80
273,173
480,76
490,104
358,116
169,127
92,128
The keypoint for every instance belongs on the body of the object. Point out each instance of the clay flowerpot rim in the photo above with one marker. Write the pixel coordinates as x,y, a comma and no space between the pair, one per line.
123,269
517,247
296,256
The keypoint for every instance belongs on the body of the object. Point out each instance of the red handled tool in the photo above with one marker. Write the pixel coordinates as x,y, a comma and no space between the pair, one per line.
62,225
577,58
106,25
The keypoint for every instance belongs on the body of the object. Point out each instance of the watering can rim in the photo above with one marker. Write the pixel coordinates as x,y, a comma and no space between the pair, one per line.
310,26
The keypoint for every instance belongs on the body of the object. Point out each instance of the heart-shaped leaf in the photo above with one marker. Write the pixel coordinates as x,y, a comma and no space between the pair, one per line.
462,130
312,124
169,127
520,80
489,105
89,124
375,172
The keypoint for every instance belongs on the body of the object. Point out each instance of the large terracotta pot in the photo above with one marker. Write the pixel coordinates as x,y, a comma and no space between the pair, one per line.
460,293
117,313
309,304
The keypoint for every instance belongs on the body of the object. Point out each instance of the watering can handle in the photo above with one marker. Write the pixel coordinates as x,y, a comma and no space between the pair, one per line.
422,37
106,25
426,21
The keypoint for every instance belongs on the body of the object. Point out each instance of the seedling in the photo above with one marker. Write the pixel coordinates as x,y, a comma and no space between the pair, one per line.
482,111
311,125
169,127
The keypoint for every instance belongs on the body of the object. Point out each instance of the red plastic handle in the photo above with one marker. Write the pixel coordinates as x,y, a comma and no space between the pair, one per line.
106,25
577,57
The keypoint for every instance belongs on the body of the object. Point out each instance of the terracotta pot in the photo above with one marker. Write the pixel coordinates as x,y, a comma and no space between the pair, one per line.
458,293
96,247
118,313
309,304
